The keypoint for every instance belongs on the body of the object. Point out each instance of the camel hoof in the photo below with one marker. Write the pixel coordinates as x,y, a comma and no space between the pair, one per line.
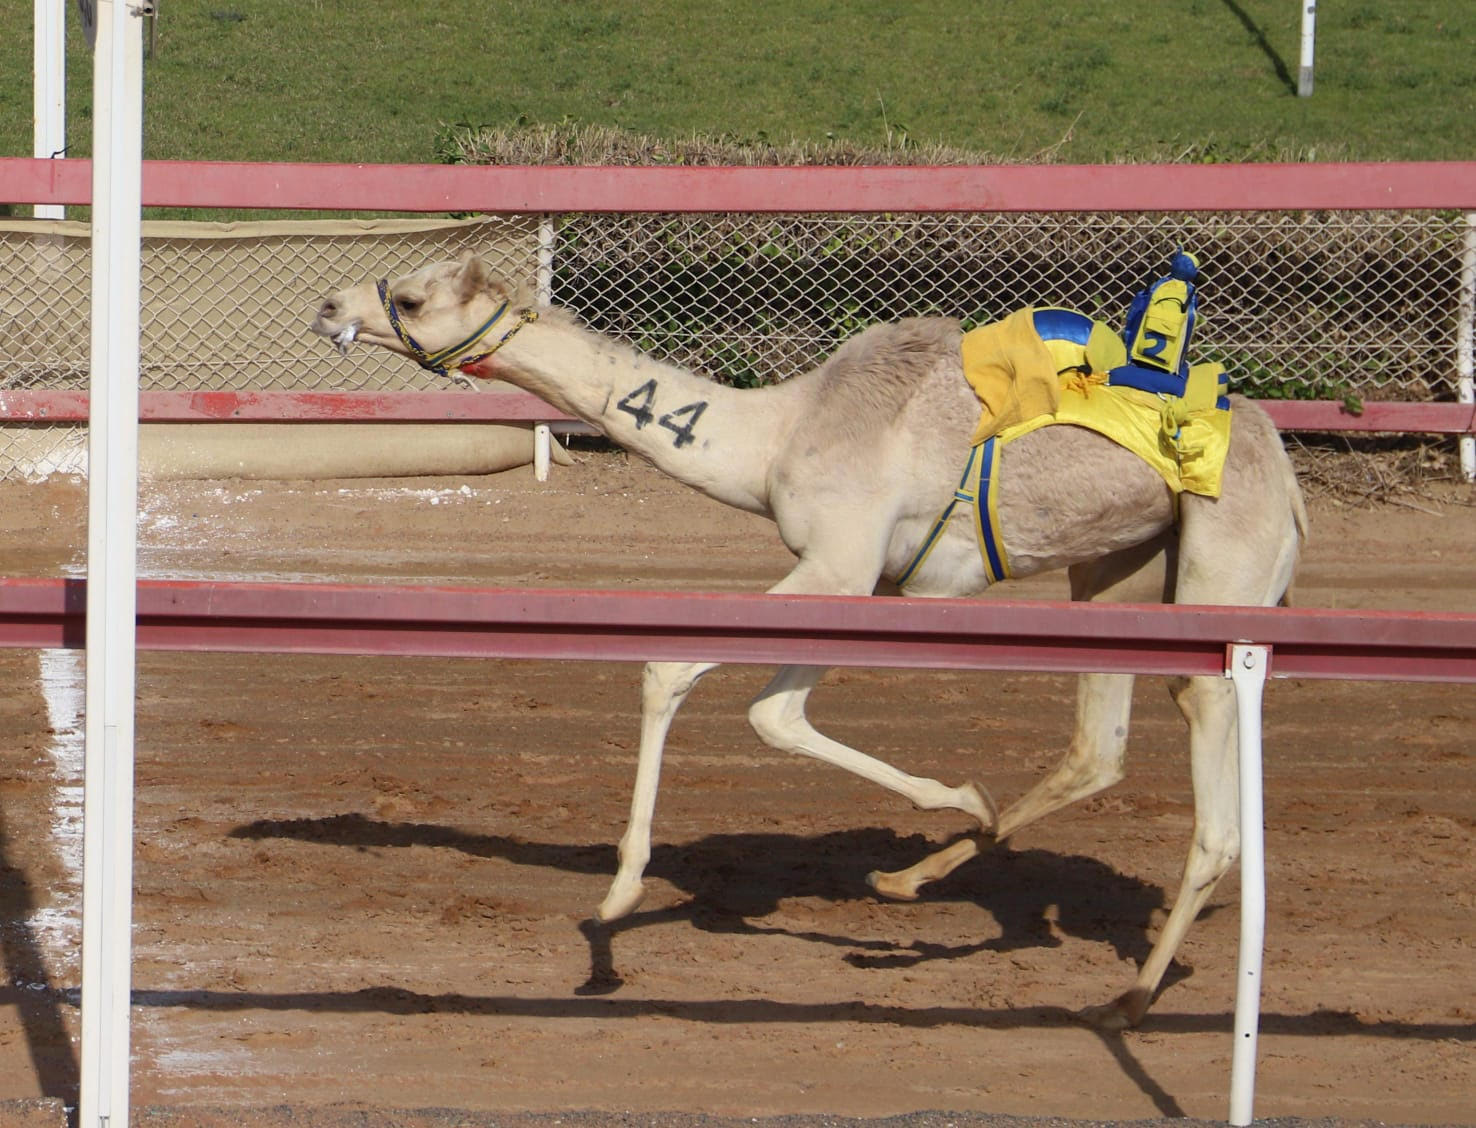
979,803
1123,1013
894,886
622,900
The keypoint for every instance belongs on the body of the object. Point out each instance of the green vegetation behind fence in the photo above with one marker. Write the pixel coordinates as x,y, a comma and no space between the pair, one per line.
1069,80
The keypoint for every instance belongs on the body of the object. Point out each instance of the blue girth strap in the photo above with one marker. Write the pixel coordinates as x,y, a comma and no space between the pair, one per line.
986,515
977,486
962,493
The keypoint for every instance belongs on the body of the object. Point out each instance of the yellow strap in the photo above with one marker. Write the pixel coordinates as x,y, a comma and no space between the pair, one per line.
1202,388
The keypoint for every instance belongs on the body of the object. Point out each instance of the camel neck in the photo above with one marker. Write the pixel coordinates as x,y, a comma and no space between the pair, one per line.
719,440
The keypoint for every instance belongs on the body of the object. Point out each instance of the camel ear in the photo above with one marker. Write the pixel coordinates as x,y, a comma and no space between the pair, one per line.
522,295
472,278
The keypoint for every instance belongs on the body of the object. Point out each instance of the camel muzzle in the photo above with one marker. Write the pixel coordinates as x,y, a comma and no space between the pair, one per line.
342,336
328,324
345,337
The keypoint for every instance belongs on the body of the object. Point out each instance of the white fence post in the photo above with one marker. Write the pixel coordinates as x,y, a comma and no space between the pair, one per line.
542,435
49,90
1247,668
112,516
1466,341
1309,42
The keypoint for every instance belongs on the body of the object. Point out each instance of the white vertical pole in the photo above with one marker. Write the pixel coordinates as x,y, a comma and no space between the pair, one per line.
1466,341
542,451
542,436
49,90
1309,41
112,488
1247,670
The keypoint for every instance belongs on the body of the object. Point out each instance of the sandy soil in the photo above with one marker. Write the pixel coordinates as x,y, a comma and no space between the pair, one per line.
365,883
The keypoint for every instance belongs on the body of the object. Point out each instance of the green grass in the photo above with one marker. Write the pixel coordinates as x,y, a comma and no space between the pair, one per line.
1067,80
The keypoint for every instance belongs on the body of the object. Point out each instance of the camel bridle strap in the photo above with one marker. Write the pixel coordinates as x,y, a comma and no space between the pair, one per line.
458,355
524,318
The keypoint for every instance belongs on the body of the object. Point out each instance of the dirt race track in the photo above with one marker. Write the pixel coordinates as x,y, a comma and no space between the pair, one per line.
364,884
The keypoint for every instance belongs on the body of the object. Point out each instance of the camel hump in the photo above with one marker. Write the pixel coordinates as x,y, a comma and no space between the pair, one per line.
907,335
897,353
868,383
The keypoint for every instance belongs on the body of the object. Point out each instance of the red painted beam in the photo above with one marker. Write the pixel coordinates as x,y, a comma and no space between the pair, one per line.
26,405
748,628
969,188
23,405
1329,415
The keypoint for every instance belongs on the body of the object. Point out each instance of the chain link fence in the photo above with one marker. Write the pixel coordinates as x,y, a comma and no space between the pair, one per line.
224,307
1312,305
1303,305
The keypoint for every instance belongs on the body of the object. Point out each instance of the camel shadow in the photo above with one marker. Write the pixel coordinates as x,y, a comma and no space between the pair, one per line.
738,884
734,884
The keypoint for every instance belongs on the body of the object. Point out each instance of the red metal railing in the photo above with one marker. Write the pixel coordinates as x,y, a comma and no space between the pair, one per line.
751,628
509,189
41,406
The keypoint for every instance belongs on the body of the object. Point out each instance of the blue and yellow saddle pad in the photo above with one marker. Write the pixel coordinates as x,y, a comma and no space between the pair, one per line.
1047,365
1044,366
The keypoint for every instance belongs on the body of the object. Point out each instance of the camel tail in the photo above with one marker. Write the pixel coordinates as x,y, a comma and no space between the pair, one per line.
1299,511
1299,519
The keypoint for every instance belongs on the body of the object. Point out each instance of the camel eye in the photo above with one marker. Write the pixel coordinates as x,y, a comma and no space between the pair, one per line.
409,305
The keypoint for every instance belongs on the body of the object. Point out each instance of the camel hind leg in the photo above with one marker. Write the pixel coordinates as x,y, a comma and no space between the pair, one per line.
1104,702
1208,705
1240,551
1094,758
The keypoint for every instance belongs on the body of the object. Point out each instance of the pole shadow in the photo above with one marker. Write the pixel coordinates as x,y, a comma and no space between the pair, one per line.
37,1000
1258,33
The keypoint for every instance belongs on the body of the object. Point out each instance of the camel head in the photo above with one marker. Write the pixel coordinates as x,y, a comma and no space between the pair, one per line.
443,316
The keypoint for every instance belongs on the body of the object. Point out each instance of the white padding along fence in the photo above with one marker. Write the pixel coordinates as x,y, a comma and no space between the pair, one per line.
226,306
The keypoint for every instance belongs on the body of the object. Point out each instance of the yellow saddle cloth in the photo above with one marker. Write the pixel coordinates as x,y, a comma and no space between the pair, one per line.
1021,387
1184,438
1024,383
1011,371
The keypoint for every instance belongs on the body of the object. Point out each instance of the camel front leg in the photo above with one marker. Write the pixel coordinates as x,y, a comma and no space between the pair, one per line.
1208,704
1093,761
777,714
664,687
778,717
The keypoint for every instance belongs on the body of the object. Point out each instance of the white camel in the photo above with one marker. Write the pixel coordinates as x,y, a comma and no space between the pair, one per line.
854,461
